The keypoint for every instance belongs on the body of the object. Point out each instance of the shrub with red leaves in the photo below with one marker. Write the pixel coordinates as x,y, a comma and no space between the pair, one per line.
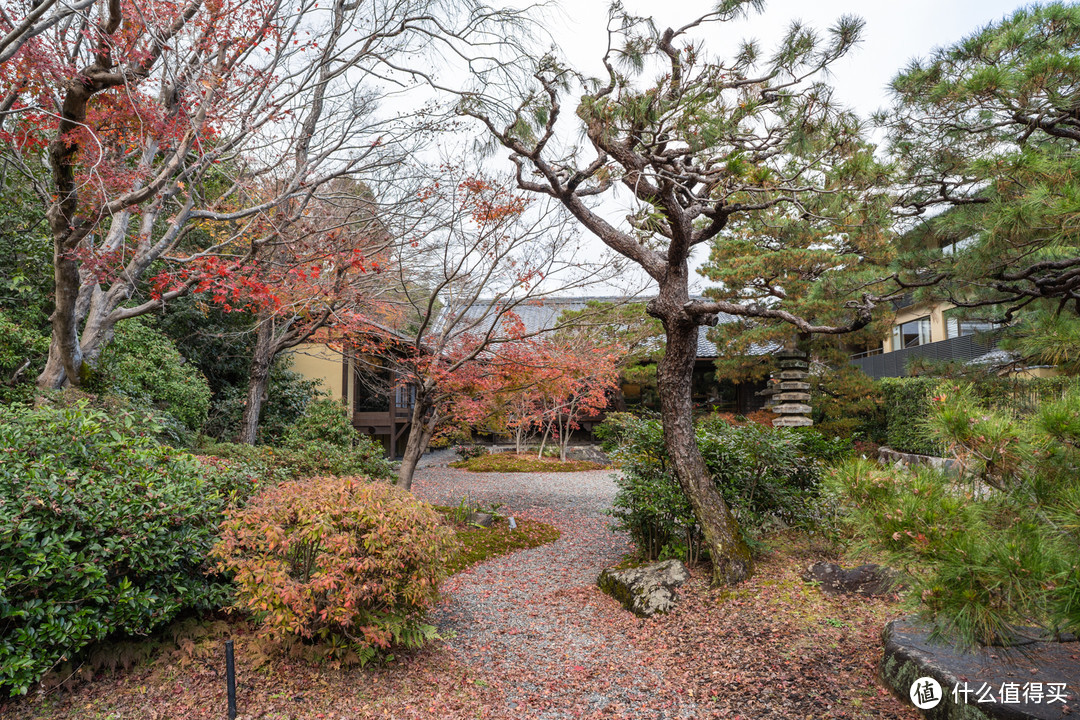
337,558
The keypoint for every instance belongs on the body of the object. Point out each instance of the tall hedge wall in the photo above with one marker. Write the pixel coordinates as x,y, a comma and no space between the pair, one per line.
907,403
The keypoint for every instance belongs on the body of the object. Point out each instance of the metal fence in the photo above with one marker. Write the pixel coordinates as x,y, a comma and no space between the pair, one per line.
894,364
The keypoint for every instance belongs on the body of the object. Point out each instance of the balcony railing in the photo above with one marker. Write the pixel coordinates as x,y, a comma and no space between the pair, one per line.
867,353
959,349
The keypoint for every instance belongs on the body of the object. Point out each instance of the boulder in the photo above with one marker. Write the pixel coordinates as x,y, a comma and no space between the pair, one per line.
868,580
645,590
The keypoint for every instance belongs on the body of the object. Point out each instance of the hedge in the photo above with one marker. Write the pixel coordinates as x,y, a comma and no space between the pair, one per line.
907,404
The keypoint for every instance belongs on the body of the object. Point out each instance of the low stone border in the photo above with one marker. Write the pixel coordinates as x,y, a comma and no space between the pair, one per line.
987,673
888,456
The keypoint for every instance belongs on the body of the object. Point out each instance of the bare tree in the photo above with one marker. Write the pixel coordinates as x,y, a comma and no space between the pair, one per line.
164,127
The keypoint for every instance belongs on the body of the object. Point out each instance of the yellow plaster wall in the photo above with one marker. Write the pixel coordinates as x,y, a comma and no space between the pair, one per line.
936,312
316,361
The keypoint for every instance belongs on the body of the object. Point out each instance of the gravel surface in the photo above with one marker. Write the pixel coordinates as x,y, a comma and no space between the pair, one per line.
533,623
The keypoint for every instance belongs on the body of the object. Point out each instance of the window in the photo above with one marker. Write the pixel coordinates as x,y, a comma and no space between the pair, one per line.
958,326
912,333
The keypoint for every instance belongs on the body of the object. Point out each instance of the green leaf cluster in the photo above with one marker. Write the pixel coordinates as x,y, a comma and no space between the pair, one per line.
102,531
766,475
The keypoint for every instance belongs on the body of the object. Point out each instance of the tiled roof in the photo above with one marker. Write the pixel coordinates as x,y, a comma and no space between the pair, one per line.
542,315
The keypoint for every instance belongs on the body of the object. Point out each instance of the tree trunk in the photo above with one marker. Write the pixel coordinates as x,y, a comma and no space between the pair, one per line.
420,432
730,554
258,383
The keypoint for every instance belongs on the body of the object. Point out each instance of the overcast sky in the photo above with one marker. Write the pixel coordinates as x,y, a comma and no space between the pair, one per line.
896,31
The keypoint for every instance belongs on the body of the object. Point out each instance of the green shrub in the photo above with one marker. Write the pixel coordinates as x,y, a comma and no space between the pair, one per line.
102,530
993,549
287,398
848,404
337,559
325,420
763,473
322,442
908,404
22,350
314,459
143,364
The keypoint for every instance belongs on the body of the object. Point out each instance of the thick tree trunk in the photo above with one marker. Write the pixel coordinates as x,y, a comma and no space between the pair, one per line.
258,383
421,428
730,554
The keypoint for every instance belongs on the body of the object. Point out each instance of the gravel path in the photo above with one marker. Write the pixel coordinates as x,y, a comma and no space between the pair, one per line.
532,623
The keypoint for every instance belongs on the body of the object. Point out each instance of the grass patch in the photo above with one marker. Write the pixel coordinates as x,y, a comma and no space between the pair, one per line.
479,544
511,462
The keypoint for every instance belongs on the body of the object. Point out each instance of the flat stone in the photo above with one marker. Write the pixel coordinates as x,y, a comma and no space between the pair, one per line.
792,385
646,590
792,421
868,580
792,409
791,375
796,397
909,654
481,519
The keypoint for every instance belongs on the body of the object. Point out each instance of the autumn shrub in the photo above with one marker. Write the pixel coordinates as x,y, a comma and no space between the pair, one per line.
765,474
102,531
467,452
327,559
995,548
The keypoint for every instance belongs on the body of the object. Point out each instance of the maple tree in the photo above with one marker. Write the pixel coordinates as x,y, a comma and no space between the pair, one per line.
585,378
709,145
478,251
179,138
322,269
542,384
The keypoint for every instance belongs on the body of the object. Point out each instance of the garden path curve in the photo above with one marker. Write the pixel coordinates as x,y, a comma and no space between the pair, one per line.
532,624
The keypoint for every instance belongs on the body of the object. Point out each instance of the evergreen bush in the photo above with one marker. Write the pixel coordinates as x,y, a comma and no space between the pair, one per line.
765,474
992,549
321,442
141,363
102,530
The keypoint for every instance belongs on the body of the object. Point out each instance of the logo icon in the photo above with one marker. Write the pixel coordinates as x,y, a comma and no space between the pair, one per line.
926,693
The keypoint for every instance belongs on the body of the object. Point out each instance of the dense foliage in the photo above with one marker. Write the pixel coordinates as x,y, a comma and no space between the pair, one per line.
346,560
765,474
909,405
991,549
102,530
20,346
987,128
321,442
142,363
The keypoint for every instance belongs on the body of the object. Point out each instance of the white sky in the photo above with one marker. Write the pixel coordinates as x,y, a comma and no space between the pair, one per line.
895,32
